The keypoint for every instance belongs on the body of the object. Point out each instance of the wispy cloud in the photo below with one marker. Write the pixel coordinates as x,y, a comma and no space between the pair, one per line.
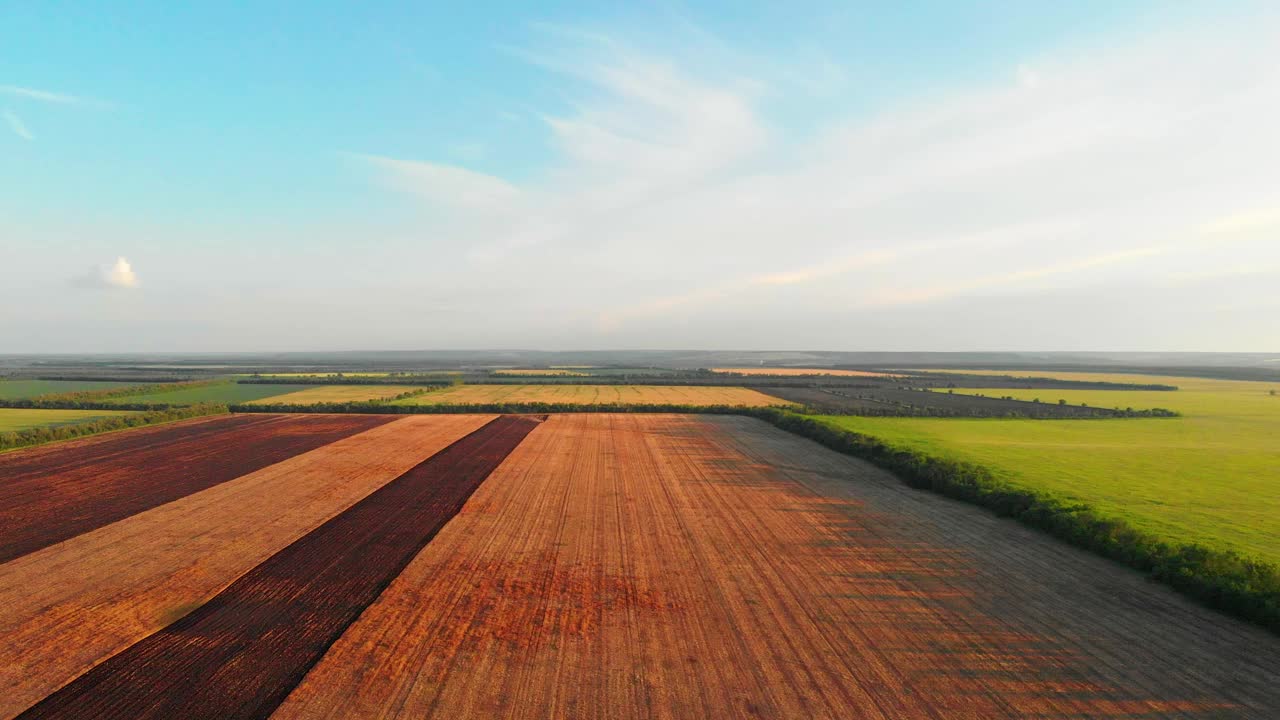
55,98
677,188
44,95
16,125
448,185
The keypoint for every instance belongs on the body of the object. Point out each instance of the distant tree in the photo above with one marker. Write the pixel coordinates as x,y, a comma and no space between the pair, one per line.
1061,401
1273,393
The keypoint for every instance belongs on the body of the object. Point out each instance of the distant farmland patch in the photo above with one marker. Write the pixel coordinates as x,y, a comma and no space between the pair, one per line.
541,371
227,393
337,394
1208,477
26,389
318,374
14,419
595,395
794,372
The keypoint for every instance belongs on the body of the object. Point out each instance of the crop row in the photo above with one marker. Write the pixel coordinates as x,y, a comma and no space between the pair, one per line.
54,493
238,655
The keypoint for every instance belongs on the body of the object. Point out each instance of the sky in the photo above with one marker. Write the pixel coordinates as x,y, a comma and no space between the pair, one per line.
290,176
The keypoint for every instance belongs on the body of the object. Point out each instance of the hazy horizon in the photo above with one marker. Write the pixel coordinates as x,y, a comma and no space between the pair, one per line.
924,177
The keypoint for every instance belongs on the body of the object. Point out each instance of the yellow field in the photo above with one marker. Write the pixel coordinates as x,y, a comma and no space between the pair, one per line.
540,371
349,374
595,395
337,394
790,372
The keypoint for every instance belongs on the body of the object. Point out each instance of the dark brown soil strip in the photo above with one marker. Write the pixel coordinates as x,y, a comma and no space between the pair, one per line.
239,655
53,493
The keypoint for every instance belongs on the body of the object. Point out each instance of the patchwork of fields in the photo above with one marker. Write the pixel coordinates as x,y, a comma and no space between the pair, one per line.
578,565
793,372
596,395
1208,477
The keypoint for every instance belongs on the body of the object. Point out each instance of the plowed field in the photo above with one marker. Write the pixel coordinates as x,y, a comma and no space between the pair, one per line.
56,492
609,566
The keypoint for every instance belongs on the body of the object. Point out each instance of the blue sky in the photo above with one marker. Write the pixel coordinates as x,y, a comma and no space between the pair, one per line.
934,175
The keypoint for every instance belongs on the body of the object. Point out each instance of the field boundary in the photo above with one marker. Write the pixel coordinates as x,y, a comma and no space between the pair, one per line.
1227,581
158,415
231,657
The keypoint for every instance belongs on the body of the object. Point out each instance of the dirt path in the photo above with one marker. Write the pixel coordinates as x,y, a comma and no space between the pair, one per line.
68,607
620,566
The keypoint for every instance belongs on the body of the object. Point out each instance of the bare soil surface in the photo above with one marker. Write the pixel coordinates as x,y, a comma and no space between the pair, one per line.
72,605
629,566
238,655
56,492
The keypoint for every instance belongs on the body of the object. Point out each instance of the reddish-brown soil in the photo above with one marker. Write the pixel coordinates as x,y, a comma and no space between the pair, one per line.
627,566
53,493
68,607
239,654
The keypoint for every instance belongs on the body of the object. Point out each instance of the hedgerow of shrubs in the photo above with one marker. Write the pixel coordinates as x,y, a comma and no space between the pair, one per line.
1224,580
40,435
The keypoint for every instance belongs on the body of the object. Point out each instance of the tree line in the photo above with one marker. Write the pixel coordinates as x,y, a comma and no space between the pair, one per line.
1227,581
41,435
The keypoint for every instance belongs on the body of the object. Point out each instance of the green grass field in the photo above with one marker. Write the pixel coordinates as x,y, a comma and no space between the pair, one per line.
14,419
25,389
1211,476
223,393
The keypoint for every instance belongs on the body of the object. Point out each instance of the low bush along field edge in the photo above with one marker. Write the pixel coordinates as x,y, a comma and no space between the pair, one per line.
41,435
1233,583
1228,581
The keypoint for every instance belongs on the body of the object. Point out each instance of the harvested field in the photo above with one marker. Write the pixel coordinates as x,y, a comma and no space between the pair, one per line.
337,394
669,566
239,654
793,372
595,395
70,606
12,419
55,492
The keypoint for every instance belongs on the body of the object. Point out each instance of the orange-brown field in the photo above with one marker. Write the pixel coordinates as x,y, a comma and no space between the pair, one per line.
629,566
794,372
70,606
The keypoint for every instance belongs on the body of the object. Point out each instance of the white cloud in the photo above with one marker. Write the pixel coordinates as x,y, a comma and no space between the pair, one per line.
16,125
679,196
1247,221
1028,77
118,275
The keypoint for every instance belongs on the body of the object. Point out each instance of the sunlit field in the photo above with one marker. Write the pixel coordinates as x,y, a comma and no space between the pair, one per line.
1211,476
